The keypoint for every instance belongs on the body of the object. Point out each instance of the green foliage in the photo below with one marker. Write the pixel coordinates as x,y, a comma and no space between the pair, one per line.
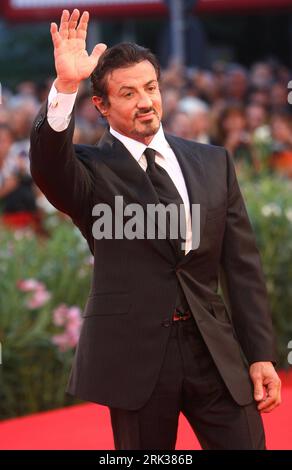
34,373
269,203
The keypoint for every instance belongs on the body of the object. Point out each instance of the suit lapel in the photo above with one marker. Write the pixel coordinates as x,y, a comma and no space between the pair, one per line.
136,185
195,179
133,177
134,181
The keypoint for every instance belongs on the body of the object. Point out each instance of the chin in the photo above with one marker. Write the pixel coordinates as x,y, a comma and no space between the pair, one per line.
149,129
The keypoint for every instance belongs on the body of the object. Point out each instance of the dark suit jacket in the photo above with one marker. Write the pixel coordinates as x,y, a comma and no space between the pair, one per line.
134,284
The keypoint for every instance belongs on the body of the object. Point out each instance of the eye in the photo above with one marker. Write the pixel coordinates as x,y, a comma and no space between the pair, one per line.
129,94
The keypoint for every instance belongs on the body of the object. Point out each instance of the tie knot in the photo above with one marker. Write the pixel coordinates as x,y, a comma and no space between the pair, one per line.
150,156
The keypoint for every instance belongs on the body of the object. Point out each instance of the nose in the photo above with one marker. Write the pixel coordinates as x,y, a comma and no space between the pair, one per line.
144,101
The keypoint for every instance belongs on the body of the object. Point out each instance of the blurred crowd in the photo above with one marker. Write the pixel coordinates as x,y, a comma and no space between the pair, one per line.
244,110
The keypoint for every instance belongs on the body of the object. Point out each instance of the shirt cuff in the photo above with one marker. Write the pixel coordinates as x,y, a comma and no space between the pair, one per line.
60,107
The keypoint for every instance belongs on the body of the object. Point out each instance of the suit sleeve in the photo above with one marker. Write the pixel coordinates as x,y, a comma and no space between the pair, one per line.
66,178
242,279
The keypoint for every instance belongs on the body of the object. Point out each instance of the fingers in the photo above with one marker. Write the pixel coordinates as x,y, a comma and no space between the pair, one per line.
68,27
269,404
273,398
267,386
63,30
73,23
56,38
98,50
68,24
258,388
82,27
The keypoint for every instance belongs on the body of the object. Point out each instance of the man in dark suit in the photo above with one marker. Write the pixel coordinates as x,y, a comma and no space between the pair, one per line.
157,338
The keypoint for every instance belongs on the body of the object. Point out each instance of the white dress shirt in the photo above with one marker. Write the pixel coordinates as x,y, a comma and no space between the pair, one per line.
60,106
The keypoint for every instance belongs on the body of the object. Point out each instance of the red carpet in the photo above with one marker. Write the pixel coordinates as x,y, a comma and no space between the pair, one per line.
88,427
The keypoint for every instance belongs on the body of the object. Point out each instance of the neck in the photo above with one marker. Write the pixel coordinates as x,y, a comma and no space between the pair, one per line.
139,138
145,140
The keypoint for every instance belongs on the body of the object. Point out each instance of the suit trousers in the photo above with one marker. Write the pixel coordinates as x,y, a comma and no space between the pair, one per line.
189,382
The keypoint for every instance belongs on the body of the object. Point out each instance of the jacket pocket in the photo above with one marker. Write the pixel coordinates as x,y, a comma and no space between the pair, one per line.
107,304
219,311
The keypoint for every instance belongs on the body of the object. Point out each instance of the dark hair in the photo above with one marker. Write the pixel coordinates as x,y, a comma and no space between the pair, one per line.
121,55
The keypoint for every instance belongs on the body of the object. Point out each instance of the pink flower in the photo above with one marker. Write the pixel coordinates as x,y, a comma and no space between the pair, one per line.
61,341
39,294
73,329
70,318
73,337
66,341
60,315
73,317
38,299
73,324
28,285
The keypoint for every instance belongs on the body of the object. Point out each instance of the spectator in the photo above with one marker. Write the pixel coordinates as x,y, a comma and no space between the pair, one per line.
170,97
225,105
261,75
17,197
233,135
180,125
89,122
281,160
278,97
199,117
236,84
256,116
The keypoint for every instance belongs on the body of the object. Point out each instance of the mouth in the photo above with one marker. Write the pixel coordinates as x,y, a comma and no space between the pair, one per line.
146,116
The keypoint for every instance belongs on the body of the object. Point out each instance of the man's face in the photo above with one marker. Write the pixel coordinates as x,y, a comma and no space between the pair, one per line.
134,108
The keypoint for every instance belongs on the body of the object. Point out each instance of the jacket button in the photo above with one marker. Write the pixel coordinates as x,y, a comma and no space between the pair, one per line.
166,323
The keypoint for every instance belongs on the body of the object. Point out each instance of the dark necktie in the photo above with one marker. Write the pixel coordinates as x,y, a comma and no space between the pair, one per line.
163,185
161,180
167,194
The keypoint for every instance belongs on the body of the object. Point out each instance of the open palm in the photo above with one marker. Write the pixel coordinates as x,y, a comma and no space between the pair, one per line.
72,61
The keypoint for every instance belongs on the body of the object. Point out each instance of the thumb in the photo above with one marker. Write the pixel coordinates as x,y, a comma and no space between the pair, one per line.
258,390
98,50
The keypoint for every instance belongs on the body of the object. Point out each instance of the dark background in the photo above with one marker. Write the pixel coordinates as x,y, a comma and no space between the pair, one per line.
26,51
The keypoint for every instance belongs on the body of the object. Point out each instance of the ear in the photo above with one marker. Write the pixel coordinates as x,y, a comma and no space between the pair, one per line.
99,104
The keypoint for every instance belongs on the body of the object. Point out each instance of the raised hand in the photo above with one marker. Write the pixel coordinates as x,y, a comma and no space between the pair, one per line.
72,62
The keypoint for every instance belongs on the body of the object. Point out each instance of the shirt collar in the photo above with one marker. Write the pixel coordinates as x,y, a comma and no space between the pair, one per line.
136,149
